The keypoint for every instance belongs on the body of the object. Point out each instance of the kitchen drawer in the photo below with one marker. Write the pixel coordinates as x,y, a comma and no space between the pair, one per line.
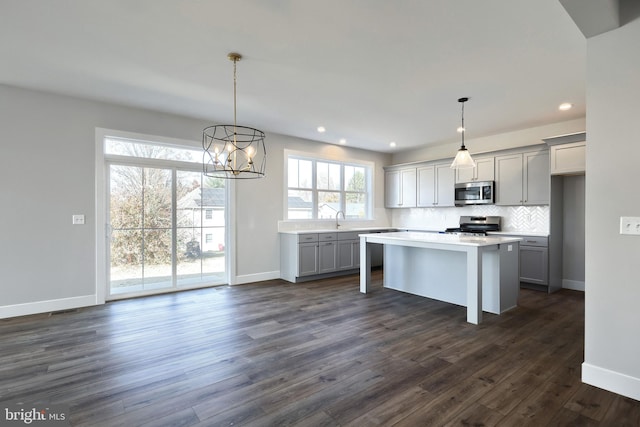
534,241
350,235
323,237
307,237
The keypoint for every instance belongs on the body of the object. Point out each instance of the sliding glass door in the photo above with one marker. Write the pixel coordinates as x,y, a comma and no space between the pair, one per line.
167,227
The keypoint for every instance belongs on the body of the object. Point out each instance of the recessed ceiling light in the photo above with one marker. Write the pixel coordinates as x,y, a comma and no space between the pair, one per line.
342,141
392,144
321,129
565,106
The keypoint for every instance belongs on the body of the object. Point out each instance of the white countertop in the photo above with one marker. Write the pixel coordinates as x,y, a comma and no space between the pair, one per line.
342,229
441,239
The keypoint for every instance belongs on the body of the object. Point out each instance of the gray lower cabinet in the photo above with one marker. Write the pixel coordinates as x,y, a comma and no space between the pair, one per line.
533,265
307,255
308,259
348,251
327,256
534,260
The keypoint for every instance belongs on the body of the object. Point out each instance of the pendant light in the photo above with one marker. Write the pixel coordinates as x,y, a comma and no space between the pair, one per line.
463,158
232,151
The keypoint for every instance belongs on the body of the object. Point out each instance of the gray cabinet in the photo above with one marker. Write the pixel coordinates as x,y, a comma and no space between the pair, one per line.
484,171
523,178
307,259
400,188
569,159
307,256
327,252
435,185
534,260
568,153
348,251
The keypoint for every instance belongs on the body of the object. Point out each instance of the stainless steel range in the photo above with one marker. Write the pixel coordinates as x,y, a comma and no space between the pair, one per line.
476,225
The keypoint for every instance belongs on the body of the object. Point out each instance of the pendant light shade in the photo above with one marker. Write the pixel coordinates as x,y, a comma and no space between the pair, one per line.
463,158
232,151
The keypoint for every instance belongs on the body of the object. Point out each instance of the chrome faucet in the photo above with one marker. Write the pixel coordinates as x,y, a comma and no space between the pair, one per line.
343,217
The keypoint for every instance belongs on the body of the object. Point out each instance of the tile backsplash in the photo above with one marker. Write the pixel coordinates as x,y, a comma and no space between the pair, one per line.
534,219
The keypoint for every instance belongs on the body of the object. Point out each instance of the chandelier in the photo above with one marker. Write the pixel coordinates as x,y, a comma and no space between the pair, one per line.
232,151
463,158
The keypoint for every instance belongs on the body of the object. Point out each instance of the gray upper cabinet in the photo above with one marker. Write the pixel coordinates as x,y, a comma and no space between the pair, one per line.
426,186
400,188
523,178
537,181
484,171
435,185
568,153
569,159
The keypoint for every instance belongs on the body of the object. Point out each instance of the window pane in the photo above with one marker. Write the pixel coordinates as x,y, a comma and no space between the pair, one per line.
125,197
354,178
201,225
157,250
131,148
293,173
300,204
126,261
356,205
328,176
300,173
157,198
328,204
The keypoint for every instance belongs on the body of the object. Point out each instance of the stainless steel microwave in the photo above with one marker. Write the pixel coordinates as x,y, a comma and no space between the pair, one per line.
474,193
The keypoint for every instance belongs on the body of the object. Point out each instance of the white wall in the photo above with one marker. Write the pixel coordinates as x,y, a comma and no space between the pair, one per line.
46,175
47,158
612,347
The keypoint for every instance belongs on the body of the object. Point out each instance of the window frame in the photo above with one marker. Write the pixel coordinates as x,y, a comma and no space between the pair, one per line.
369,168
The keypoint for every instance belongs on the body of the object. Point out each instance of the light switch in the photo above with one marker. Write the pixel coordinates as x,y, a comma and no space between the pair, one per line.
78,219
630,225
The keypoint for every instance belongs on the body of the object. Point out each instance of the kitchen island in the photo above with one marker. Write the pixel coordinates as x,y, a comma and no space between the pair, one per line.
481,273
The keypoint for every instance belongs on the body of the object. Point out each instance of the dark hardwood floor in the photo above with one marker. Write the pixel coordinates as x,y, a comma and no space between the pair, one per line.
313,354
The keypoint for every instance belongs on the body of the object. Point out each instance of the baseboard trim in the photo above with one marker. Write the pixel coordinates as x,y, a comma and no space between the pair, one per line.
575,285
615,382
38,307
257,277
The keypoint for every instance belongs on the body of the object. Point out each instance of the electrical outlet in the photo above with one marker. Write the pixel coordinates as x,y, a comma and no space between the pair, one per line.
630,225
77,219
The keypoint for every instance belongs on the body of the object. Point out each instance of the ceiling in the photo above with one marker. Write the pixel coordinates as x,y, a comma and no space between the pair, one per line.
369,71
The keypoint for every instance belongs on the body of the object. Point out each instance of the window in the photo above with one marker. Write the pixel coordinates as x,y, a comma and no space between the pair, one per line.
208,238
319,188
208,214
